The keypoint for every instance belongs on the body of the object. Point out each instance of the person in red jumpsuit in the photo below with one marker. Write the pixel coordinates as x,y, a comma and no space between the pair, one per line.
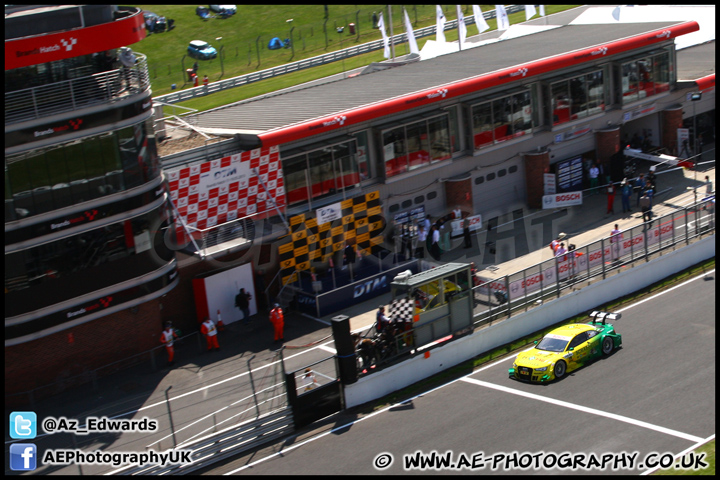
208,329
278,320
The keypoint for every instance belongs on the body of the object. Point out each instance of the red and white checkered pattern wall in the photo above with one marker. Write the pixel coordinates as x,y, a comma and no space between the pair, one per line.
212,193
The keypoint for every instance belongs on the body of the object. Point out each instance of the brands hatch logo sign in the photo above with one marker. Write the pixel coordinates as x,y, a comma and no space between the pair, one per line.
440,93
664,34
600,51
68,44
71,124
339,120
521,72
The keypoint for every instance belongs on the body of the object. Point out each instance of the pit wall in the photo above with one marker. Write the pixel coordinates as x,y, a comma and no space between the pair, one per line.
637,277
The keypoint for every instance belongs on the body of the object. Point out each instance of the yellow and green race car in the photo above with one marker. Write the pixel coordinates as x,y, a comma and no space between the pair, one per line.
566,349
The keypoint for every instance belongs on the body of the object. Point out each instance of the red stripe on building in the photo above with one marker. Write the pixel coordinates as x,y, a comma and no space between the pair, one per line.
464,87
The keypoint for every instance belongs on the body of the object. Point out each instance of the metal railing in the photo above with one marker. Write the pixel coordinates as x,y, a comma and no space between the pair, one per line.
77,93
499,298
339,55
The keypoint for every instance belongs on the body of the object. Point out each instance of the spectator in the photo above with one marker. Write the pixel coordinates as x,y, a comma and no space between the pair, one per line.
556,243
652,178
650,191
616,237
422,238
195,80
435,251
594,174
466,233
560,253
242,301
308,380
610,198
382,320
625,191
646,207
639,187
708,185
206,80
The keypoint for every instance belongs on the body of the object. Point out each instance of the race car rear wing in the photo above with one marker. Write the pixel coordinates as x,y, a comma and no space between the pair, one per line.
597,315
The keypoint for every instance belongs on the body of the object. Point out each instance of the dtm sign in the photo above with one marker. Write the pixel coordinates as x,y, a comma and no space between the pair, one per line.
370,286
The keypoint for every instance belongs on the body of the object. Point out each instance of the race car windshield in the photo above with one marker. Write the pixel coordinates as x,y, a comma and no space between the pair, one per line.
553,343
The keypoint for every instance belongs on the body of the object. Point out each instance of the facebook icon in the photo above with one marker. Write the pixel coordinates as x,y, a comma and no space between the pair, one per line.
23,456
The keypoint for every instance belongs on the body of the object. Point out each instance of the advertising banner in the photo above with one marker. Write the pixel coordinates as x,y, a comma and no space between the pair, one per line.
562,200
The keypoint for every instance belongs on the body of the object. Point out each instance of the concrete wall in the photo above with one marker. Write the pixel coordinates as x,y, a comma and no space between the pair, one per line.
417,368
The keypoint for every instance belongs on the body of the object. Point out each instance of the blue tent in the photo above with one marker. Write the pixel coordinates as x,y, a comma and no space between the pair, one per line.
275,43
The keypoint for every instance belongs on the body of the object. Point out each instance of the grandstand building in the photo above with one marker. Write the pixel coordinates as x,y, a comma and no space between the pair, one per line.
477,130
85,203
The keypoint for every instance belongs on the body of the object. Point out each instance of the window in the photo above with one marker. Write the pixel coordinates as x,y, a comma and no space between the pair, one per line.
644,77
577,97
578,340
419,200
406,203
591,333
490,176
394,208
513,169
479,180
432,195
80,170
321,172
502,172
502,119
416,145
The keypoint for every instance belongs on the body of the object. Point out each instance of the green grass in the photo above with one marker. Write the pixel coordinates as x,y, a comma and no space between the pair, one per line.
709,450
240,34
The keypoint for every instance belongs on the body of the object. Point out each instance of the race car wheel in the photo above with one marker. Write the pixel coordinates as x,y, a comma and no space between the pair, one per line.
608,345
560,369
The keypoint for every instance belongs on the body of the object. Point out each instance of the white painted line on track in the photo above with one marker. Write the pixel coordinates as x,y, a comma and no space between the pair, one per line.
682,454
465,378
593,411
327,349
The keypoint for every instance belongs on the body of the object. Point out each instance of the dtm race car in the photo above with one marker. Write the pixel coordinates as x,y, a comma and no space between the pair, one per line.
566,349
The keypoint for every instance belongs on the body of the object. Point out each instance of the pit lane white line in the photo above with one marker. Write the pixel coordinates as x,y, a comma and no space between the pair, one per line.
349,424
561,403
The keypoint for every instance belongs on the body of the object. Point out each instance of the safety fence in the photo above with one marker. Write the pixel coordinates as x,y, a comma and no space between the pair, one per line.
83,91
495,299
254,410
339,55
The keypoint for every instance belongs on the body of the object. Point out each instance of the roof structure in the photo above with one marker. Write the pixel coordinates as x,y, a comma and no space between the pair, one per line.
290,108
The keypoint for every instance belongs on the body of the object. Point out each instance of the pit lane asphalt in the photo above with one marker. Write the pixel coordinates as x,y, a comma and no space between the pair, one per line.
656,394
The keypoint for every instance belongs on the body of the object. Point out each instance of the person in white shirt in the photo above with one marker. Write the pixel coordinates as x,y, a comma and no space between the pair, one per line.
594,174
560,253
421,239
435,251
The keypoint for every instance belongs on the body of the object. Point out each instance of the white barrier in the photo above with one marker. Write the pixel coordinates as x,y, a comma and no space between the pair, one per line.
417,368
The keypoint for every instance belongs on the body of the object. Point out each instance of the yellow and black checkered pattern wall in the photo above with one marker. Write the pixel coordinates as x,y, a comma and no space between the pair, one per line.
361,224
